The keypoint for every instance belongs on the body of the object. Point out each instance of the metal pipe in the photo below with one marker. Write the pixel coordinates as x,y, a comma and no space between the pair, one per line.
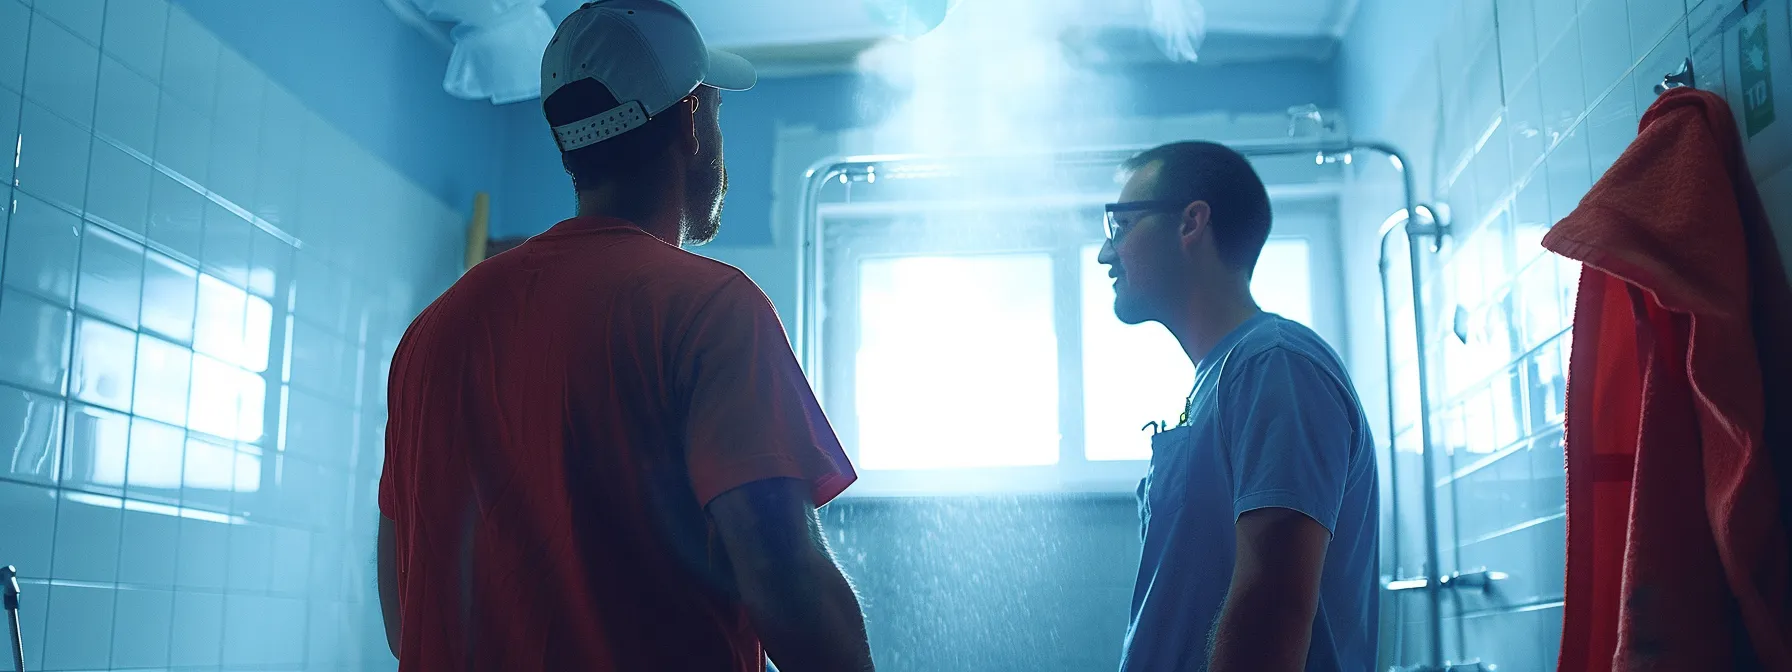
9,599
810,258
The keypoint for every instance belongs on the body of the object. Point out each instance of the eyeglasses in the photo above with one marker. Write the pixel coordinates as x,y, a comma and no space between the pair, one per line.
1118,218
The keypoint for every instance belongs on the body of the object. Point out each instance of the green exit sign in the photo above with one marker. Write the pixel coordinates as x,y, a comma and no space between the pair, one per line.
1755,71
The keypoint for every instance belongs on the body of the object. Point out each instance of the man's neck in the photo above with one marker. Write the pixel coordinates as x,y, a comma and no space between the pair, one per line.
664,223
1209,318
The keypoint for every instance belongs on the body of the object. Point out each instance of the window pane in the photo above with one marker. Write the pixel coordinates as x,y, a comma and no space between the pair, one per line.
957,362
1132,374
1283,281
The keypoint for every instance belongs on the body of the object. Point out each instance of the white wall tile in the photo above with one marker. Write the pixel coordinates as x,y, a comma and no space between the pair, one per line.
78,636
170,296
183,139
1517,39
1669,54
111,280
125,110
190,60
150,541
258,335
52,160
82,17
219,329
35,336
157,88
199,639
164,370
209,470
1569,174
61,71
291,560
270,267
1524,116
10,103
1611,125
135,30
31,527
176,216
1605,45
30,436
141,623
251,557
1555,20
87,533
204,554
227,242
94,453
1650,22
43,248
156,463
323,632
104,363
118,188
1563,93
15,30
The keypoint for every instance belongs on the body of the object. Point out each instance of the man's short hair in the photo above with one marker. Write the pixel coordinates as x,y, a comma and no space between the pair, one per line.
1212,172
632,160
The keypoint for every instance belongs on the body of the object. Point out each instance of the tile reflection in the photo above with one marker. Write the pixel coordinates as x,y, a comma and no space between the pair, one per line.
169,293
103,365
94,454
164,371
35,335
30,427
154,470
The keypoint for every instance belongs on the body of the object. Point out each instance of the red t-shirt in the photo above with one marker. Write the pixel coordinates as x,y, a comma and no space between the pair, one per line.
558,419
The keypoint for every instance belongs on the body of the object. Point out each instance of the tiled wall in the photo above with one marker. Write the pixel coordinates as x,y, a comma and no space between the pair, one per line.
1521,106
202,284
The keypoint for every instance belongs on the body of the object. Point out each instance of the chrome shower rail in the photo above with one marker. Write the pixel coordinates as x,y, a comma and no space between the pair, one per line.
1417,229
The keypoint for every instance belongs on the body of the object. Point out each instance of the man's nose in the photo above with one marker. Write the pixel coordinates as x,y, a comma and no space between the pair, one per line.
1107,254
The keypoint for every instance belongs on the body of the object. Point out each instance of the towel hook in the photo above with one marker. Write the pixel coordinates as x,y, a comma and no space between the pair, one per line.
1682,77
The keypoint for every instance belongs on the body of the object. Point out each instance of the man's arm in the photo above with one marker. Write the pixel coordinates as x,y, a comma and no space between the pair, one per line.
388,579
1267,623
801,605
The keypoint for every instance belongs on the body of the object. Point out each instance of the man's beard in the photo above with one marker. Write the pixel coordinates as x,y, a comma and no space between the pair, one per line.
709,187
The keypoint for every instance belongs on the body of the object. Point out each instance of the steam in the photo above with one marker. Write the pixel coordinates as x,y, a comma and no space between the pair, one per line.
1179,25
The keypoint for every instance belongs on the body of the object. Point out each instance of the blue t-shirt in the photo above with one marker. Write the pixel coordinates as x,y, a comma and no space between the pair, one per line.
1274,422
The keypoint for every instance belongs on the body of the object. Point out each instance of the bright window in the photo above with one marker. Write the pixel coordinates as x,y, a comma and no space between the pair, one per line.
1132,374
957,363
1283,282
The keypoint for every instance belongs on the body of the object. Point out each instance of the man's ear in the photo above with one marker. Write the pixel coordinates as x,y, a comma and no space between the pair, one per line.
688,141
1195,220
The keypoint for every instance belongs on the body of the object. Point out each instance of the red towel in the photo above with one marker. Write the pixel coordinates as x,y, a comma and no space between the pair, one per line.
1677,559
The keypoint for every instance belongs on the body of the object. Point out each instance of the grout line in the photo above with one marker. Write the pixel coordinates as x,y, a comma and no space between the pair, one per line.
1542,604
1514,528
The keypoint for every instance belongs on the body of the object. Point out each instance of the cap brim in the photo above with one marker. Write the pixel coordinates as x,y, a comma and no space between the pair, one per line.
729,72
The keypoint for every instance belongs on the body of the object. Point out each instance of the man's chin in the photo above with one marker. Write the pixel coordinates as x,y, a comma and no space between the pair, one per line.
1128,313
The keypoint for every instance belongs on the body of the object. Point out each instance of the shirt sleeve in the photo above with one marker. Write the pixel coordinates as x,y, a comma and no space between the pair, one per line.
1289,437
752,415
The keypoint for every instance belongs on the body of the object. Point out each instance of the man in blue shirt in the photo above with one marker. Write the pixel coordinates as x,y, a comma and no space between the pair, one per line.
1259,509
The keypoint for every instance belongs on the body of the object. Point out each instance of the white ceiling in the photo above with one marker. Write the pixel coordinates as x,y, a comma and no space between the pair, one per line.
761,24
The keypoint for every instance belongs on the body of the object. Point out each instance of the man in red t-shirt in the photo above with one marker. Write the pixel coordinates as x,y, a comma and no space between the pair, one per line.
601,453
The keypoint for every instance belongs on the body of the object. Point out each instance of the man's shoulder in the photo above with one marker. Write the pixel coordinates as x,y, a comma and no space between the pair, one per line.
1285,345
1279,336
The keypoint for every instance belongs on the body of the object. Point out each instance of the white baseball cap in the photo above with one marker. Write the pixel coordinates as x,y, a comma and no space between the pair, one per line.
649,55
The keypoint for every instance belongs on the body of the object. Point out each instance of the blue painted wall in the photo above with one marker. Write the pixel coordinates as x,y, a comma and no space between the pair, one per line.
375,79
536,192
